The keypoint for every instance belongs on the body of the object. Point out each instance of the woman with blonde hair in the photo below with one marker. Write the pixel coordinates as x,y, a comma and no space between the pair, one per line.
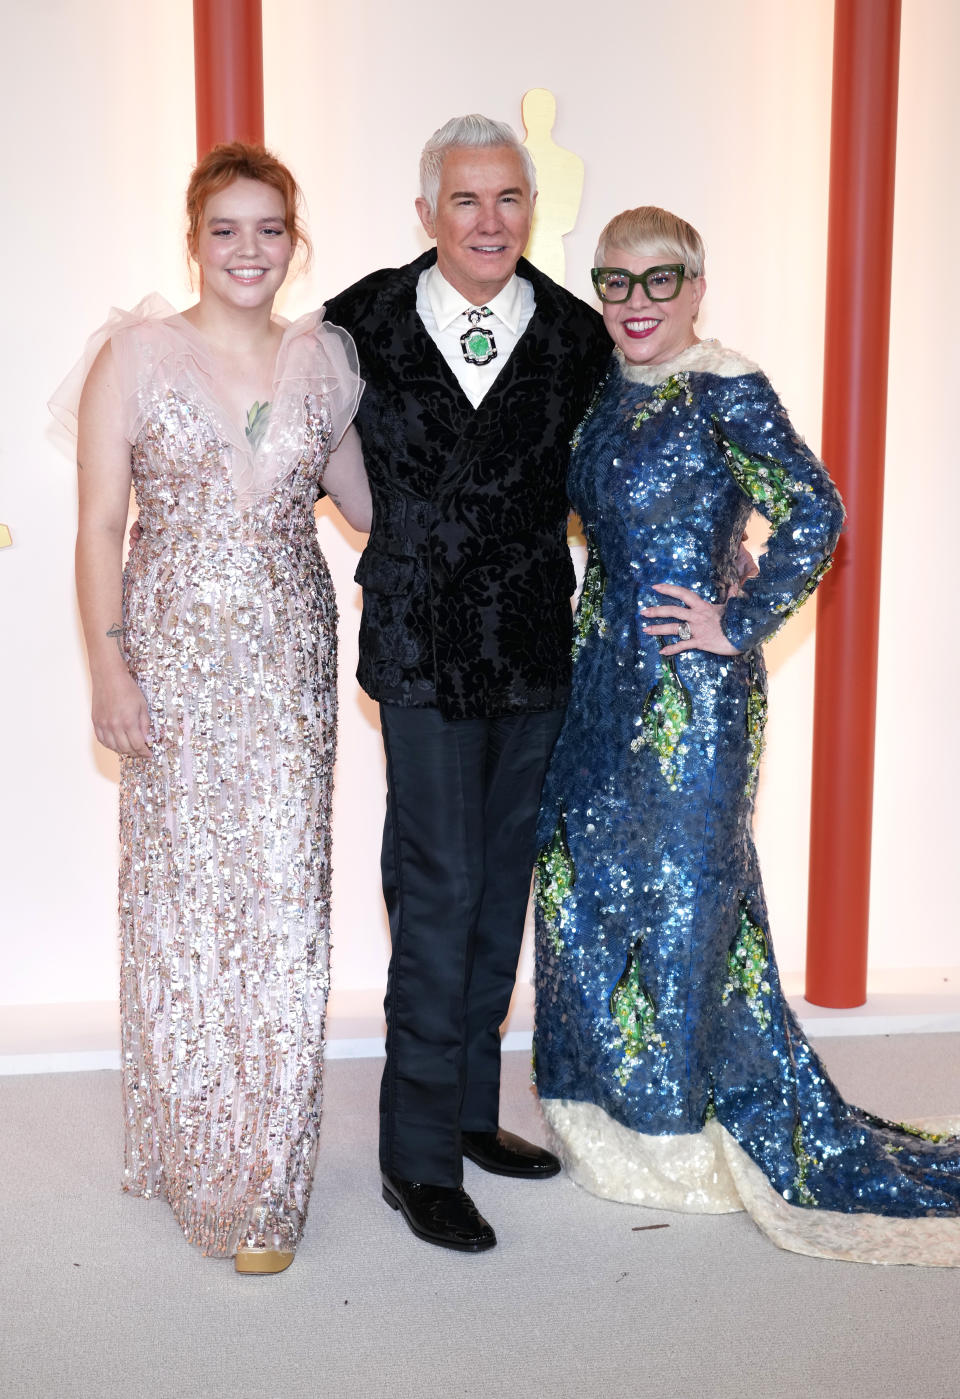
668,1062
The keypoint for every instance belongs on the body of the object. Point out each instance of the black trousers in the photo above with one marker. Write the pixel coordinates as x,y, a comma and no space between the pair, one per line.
458,850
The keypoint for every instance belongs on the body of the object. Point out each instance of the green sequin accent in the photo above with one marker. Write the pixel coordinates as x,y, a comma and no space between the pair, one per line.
556,877
257,418
589,613
635,1011
747,964
810,587
765,481
756,724
664,719
677,386
925,1136
805,1160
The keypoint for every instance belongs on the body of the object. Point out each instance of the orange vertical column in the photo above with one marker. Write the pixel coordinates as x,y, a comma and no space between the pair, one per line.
866,50
228,67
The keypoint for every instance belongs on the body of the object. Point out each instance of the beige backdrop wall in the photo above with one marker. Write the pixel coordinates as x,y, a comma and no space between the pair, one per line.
718,110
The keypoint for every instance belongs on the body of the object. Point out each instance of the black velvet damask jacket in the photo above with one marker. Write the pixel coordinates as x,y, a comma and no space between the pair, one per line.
467,576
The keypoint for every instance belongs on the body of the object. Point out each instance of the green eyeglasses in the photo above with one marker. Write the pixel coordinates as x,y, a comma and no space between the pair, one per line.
659,283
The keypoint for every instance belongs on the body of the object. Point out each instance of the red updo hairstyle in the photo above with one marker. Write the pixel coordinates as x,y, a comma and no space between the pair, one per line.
236,160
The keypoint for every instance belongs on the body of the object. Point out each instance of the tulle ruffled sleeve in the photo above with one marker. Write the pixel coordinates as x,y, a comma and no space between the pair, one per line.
122,330
158,353
320,359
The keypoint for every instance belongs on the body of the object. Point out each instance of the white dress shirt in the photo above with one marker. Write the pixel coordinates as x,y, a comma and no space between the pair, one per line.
444,314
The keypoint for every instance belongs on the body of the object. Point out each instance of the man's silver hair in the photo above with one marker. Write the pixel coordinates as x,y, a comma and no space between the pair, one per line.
460,132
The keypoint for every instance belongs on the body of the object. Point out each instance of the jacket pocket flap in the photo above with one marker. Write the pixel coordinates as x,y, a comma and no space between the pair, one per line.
384,573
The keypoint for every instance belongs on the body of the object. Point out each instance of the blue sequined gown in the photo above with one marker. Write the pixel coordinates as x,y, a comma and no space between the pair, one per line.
669,1064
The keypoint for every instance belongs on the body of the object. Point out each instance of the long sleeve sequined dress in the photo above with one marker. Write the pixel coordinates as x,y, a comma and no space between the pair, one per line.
229,628
668,1062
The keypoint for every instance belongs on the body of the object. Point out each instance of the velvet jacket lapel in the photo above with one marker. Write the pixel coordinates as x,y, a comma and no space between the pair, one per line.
434,385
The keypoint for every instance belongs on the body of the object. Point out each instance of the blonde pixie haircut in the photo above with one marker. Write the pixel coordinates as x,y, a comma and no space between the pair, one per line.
652,232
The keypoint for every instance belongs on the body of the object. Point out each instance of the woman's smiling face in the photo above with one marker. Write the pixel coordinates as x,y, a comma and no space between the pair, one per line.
243,246
651,332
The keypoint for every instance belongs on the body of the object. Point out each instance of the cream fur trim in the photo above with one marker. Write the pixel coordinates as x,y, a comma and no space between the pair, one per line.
705,357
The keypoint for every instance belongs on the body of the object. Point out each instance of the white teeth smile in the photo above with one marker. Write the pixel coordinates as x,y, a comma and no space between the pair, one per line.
639,326
493,248
248,274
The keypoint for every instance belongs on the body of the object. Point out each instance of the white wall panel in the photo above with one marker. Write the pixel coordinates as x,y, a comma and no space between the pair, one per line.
718,110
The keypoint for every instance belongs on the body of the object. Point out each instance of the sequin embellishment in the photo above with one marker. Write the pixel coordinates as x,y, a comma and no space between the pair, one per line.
764,480
677,865
756,724
635,1012
556,877
665,716
589,613
810,587
747,964
677,386
924,1136
805,1160
230,627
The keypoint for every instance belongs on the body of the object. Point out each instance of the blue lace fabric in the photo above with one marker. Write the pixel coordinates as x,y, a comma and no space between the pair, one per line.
659,1007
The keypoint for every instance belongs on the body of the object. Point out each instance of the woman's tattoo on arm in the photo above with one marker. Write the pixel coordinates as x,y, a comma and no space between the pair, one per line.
116,631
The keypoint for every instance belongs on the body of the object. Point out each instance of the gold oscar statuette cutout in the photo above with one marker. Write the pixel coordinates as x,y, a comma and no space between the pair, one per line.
559,181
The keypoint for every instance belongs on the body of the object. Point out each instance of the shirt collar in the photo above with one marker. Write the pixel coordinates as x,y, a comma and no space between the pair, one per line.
447,303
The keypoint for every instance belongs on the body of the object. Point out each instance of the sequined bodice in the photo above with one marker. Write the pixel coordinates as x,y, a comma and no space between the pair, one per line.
656,496
185,484
665,475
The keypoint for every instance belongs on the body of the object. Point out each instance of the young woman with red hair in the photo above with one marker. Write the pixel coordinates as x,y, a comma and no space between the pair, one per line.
213,666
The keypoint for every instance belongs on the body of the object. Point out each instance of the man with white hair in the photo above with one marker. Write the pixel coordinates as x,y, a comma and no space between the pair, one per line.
478,369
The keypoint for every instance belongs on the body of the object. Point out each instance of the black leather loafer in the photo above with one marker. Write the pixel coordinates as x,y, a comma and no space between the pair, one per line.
440,1214
505,1154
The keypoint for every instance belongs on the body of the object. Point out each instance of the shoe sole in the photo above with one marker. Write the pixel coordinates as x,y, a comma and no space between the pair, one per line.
261,1261
396,1204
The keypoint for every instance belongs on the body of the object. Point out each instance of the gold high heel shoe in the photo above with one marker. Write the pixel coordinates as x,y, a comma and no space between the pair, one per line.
267,1246
262,1260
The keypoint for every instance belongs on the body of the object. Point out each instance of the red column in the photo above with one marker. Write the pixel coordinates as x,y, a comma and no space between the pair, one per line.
866,52
228,65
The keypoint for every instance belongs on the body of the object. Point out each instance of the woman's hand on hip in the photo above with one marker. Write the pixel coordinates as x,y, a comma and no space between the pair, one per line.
694,622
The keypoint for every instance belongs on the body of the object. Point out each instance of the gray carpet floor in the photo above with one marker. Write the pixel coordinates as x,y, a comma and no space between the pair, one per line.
101,1297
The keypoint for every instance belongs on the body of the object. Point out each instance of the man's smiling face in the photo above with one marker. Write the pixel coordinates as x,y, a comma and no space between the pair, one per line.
482,221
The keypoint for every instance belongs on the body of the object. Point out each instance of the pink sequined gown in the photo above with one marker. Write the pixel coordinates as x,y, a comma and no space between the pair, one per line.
230,630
